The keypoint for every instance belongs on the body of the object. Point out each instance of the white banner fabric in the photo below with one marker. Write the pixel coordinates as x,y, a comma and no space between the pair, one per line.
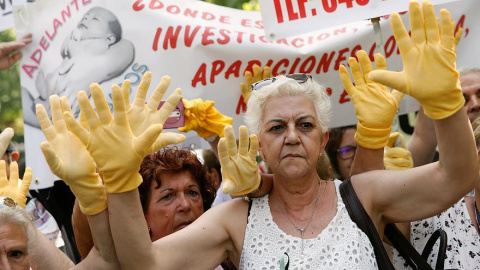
203,47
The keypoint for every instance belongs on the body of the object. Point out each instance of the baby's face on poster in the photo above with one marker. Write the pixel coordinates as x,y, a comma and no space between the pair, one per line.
95,24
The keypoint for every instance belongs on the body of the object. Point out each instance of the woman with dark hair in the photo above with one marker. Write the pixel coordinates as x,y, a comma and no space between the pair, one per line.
175,185
341,148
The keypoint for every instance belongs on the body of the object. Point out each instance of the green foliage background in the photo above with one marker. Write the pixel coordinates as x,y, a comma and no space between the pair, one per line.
10,94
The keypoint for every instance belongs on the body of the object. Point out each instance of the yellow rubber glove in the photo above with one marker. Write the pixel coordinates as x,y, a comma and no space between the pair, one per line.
5,138
375,106
9,187
397,158
69,159
117,152
258,74
239,169
429,70
142,115
203,118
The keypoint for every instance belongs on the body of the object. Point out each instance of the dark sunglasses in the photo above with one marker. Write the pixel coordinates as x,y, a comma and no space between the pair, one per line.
347,152
298,77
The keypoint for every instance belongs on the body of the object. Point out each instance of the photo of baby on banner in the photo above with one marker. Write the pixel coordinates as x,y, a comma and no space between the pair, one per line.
94,51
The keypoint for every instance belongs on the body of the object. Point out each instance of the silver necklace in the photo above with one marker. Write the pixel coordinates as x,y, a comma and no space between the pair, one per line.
301,230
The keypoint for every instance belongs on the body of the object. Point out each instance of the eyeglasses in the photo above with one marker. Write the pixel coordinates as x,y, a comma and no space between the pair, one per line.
346,152
298,77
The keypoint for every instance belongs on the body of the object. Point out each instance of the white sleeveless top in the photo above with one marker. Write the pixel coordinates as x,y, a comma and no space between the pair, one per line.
341,245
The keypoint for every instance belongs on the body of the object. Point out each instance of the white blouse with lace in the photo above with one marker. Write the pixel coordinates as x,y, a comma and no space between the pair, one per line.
341,245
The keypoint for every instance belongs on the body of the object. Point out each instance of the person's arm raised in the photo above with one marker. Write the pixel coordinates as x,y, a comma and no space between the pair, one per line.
69,159
118,154
429,75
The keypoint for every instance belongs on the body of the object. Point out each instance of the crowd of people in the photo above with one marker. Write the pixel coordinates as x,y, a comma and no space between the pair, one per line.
142,202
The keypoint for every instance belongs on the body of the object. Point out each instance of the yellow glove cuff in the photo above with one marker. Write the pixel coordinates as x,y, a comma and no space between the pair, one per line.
92,198
441,110
397,158
248,190
372,138
134,180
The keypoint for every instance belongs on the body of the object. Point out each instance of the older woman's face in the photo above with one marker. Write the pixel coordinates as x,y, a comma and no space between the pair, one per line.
290,136
177,203
13,248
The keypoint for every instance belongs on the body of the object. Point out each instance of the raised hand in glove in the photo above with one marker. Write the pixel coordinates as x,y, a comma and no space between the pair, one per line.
429,69
203,118
239,169
69,159
142,115
397,158
9,187
117,152
375,106
258,74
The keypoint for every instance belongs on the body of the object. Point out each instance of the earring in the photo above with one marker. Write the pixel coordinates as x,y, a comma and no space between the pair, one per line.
320,156
264,158
149,230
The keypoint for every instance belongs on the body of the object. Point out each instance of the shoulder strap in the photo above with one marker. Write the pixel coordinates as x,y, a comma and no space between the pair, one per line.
405,248
358,215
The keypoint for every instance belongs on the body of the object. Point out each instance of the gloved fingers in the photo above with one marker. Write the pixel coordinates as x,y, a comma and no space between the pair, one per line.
243,141
228,185
45,124
380,62
397,95
83,120
400,33
53,161
448,39
417,23
3,174
231,140
248,78
27,179
87,109
65,105
158,94
167,138
245,91
402,141
119,110
458,36
392,139
101,104
356,71
57,114
76,128
5,138
142,89
13,181
257,73
267,73
365,63
253,147
346,81
147,138
223,156
126,93
394,80
431,26
169,105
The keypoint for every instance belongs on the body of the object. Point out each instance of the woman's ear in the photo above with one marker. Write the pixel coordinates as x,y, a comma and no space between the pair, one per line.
324,140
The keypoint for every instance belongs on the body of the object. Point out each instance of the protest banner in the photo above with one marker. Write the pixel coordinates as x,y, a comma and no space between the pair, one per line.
284,18
205,49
